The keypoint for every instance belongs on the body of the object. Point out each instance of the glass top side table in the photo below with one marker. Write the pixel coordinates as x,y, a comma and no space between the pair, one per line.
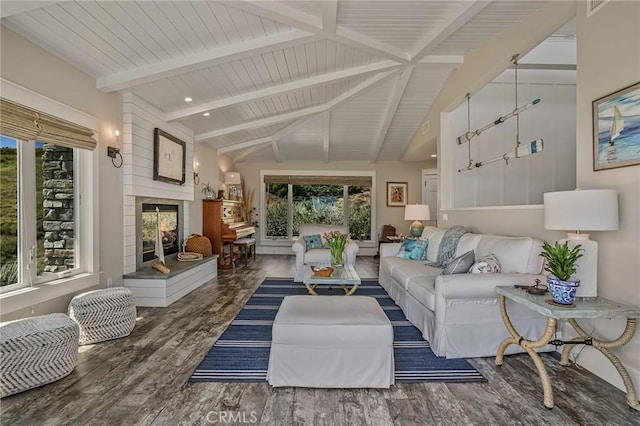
586,308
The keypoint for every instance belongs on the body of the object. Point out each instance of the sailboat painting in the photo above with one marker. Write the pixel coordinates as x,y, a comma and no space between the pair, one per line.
616,129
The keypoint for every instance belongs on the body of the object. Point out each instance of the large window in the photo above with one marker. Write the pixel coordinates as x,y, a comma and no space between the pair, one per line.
38,212
48,224
292,200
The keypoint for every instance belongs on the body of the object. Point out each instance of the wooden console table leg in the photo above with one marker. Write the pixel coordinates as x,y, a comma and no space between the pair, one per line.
529,346
603,347
311,289
349,291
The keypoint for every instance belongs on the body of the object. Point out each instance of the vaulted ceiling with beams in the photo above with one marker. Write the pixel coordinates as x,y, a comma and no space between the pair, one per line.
276,80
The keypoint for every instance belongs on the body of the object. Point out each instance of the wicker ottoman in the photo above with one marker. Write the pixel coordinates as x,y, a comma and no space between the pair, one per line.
36,351
331,342
104,314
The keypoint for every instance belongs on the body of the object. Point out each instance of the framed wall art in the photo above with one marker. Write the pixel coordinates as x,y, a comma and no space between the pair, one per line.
616,129
168,158
397,193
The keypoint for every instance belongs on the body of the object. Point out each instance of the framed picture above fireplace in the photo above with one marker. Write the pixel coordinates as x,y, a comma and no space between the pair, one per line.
168,158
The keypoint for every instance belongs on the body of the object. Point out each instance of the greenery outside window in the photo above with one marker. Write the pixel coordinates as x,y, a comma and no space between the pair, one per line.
291,200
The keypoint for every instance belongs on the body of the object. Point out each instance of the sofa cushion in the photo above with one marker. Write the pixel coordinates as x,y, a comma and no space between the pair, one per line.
424,290
460,265
486,265
401,270
313,241
315,256
512,252
434,235
468,242
413,249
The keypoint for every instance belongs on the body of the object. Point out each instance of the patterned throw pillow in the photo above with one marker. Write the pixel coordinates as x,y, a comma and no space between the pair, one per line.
488,264
424,255
413,249
460,265
313,241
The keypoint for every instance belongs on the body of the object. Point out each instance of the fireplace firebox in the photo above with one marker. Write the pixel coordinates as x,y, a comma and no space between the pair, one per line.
169,219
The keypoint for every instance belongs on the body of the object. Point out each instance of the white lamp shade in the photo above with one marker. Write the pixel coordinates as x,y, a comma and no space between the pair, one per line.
581,210
416,212
232,178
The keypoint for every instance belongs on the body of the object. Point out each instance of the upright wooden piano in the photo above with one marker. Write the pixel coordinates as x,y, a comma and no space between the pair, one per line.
223,223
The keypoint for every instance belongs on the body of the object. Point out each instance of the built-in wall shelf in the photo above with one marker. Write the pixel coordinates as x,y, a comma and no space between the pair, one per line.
154,289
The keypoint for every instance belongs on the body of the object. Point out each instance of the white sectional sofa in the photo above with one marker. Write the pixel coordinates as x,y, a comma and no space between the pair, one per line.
305,258
459,314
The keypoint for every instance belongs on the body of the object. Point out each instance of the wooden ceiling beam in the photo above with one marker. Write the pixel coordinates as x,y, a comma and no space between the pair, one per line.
461,16
330,15
300,113
220,55
326,127
392,106
297,19
305,83
243,145
244,154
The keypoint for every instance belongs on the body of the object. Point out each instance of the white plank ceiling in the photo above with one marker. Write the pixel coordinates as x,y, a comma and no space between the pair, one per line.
276,80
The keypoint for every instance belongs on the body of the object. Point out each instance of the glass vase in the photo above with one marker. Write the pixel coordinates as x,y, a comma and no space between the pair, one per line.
336,256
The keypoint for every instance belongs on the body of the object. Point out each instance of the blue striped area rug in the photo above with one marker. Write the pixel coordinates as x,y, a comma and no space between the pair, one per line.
241,354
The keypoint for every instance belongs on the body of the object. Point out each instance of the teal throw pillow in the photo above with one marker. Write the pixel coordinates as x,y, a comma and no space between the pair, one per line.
313,241
413,249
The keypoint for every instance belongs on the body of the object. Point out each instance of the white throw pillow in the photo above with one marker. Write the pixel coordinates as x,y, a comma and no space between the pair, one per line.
488,264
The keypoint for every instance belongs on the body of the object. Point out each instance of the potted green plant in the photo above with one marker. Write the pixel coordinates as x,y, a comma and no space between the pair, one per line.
561,264
207,191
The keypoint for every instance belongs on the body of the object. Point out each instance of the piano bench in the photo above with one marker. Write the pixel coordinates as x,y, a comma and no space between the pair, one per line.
247,247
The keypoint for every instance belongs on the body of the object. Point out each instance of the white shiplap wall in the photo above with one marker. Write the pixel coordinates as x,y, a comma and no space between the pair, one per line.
524,180
139,120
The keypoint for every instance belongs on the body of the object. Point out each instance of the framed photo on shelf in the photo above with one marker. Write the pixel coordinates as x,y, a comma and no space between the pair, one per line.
616,129
168,158
397,194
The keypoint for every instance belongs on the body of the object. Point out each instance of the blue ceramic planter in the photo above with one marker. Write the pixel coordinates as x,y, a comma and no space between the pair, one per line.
562,292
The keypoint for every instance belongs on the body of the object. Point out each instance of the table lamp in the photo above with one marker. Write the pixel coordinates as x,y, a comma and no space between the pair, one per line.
231,179
417,213
583,210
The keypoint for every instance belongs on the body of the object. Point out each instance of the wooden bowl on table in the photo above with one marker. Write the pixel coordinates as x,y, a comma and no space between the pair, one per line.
322,272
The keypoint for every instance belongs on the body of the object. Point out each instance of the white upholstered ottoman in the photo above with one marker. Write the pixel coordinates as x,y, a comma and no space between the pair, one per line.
331,342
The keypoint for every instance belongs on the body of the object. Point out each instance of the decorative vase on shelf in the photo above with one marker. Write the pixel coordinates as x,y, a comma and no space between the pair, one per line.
207,191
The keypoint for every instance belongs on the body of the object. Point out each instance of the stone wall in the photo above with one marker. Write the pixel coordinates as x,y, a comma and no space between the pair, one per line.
57,206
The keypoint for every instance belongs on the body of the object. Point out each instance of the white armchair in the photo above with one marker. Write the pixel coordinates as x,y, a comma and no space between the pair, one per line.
305,258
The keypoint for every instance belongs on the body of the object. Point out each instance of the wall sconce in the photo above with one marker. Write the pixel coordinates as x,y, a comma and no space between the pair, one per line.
196,176
113,151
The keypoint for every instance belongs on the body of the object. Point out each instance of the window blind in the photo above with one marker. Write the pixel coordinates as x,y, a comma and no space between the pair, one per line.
319,180
22,123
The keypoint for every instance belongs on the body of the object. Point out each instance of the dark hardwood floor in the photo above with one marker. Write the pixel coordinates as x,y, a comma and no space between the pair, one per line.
142,379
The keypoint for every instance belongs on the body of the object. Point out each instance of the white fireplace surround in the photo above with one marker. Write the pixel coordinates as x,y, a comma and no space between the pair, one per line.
139,120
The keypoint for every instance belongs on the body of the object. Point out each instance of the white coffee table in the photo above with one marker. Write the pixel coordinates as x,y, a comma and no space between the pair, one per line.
344,276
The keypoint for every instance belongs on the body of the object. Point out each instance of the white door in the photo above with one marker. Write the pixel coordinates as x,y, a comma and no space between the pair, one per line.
430,191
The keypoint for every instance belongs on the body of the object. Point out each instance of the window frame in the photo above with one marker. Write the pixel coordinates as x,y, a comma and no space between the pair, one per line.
290,238
26,294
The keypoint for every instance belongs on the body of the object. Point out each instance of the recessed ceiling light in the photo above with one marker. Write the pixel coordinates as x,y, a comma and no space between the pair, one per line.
188,99
434,155
206,114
